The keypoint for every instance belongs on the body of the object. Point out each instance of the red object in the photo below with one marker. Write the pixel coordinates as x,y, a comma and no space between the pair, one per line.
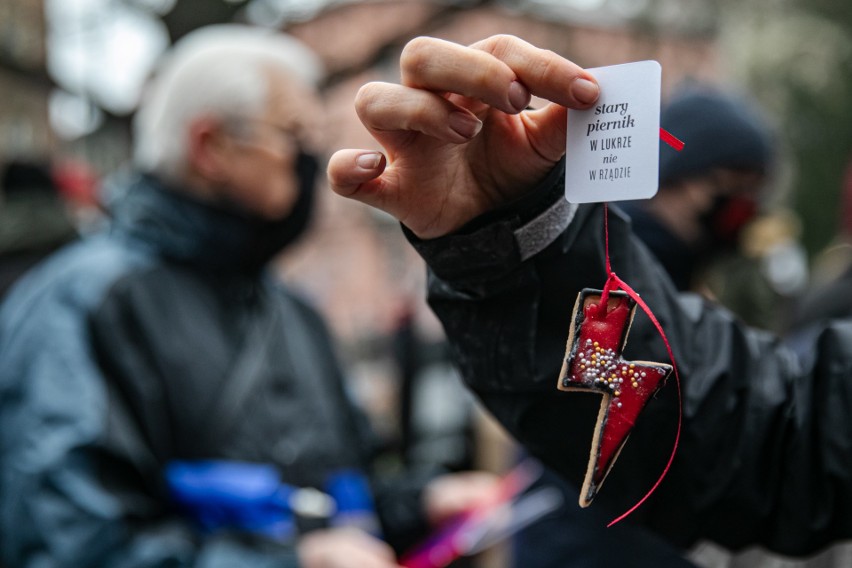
594,363
458,537
728,222
671,139
77,182
846,202
609,322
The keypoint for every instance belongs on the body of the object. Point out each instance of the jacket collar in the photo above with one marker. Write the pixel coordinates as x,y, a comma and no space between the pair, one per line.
187,230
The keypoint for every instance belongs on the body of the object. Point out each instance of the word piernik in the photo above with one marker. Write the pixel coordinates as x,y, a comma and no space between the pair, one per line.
621,121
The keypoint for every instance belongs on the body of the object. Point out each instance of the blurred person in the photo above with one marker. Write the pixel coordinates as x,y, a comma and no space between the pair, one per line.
164,401
477,181
705,225
711,189
829,296
34,219
709,225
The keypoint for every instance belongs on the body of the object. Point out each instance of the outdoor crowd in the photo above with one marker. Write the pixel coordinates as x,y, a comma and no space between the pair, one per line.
166,400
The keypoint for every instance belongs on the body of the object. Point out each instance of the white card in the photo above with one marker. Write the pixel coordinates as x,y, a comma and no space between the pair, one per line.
613,148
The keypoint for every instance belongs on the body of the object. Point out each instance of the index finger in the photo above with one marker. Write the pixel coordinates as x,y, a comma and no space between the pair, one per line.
501,71
545,73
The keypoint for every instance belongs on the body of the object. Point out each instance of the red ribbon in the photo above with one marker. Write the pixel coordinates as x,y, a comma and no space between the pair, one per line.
613,282
671,139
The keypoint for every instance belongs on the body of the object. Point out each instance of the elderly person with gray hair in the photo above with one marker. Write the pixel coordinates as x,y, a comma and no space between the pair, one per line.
163,400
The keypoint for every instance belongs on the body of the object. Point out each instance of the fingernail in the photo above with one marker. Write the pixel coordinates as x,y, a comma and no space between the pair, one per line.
519,96
585,91
369,161
464,124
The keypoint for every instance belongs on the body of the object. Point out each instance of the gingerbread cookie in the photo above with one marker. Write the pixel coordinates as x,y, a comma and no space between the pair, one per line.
594,363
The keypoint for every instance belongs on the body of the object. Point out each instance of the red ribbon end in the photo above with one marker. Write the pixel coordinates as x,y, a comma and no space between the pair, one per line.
671,139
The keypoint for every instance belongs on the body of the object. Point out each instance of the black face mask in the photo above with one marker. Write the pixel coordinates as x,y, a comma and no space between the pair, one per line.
272,236
724,222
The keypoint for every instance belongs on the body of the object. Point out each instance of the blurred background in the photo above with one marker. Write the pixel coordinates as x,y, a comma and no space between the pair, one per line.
71,72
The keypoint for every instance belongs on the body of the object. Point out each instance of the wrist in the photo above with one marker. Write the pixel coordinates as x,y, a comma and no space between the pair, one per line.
499,240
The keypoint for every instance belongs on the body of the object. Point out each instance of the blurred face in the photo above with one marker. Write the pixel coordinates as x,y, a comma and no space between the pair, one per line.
735,203
259,161
708,212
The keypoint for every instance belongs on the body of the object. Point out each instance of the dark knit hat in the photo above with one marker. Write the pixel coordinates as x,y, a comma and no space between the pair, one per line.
718,129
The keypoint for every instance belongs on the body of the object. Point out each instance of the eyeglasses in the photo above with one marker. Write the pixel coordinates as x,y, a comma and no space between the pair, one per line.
239,126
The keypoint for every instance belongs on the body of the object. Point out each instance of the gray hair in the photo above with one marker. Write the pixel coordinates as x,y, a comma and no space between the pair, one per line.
217,70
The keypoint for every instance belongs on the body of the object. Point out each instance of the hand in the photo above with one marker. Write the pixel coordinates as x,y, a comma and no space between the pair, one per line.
452,494
344,548
457,138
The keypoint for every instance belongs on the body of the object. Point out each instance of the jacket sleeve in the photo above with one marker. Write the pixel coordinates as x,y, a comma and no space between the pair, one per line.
79,485
764,455
398,492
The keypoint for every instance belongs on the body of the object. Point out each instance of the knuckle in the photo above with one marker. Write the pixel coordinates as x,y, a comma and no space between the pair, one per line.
546,65
487,74
419,115
366,98
415,55
504,41
501,45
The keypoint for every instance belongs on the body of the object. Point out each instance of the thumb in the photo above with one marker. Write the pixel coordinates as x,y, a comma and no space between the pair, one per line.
546,130
357,174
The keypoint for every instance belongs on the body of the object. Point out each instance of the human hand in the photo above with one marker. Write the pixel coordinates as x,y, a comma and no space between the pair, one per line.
458,141
344,548
452,494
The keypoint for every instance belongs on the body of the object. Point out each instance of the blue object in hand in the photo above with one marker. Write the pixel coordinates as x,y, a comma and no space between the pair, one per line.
355,507
241,496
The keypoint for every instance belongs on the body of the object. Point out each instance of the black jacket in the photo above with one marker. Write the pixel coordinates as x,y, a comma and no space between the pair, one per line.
765,456
115,357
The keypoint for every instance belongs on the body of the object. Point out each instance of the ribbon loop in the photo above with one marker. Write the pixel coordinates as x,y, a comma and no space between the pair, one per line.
613,282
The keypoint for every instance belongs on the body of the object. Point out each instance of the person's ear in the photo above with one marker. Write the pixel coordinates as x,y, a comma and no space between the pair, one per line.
208,146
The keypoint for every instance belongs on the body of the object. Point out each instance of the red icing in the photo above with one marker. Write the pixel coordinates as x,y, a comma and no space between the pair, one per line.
605,327
596,354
